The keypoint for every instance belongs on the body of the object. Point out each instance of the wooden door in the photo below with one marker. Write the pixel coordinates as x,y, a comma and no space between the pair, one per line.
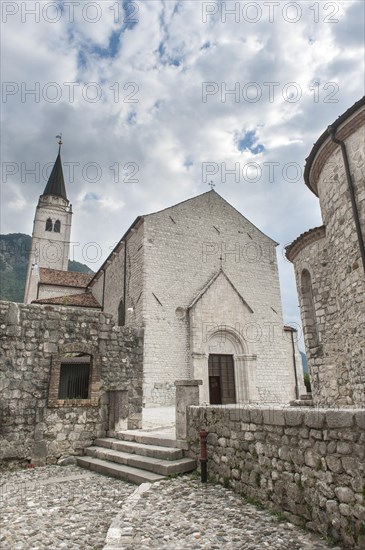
215,396
222,388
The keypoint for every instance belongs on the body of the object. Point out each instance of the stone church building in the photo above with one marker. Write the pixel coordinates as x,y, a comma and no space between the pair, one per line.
198,278
329,264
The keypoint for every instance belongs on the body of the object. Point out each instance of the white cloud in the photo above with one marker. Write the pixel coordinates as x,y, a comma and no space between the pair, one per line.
162,62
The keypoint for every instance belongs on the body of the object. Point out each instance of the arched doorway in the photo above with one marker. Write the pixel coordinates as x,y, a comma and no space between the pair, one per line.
227,375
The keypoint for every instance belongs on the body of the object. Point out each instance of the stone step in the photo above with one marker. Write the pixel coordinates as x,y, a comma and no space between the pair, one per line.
306,396
302,403
158,466
153,451
121,471
158,439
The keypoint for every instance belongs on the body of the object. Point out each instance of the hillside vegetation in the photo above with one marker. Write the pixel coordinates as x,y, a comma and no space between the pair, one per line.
14,255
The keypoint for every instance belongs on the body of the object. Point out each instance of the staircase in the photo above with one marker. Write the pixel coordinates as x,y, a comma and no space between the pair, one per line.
304,401
136,456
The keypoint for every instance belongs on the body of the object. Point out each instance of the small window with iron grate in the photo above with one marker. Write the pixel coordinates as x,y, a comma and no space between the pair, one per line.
75,376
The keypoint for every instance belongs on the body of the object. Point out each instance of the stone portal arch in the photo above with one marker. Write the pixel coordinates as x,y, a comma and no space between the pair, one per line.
223,341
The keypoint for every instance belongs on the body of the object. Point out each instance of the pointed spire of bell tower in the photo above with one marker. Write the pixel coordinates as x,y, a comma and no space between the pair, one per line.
56,183
51,230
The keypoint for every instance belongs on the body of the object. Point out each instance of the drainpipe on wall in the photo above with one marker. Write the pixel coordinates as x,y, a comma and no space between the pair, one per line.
125,280
295,366
102,304
332,134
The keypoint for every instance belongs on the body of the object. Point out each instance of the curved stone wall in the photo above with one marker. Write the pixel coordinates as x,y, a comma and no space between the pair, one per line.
336,274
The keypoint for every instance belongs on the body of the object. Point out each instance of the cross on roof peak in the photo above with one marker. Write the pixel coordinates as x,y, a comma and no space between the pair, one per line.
59,137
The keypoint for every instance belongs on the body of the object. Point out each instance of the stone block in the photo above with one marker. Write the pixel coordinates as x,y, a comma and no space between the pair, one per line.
256,416
345,494
339,419
344,448
314,419
274,416
293,418
311,458
360,419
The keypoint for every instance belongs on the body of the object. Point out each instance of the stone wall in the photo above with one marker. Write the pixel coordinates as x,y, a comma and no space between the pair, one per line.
36,425
336,360
305,463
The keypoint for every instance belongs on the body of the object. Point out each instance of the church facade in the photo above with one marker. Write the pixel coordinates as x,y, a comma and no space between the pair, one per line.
200,280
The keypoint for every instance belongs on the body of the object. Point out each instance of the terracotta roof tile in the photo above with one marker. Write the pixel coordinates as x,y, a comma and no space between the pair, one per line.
75,300
64,278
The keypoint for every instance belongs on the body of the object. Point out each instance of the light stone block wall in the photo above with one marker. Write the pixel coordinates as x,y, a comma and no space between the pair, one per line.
136,272
97,290
183,247
171,256
114,280
239,333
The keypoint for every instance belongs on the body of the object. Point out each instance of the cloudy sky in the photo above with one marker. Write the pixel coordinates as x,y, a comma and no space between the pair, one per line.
156,98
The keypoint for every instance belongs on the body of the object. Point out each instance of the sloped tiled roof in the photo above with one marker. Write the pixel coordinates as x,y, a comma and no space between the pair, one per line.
309,237
75,300
57,277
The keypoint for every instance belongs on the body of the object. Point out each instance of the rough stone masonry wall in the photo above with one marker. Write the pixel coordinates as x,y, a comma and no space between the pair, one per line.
306,463
32,340
337,369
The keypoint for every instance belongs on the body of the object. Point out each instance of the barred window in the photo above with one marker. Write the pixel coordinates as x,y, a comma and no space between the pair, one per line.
75,377
49,225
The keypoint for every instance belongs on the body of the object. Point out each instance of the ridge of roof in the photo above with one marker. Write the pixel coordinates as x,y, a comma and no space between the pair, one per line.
223,199
143,216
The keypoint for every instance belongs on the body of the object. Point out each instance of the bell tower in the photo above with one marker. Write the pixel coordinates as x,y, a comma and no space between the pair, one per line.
51,229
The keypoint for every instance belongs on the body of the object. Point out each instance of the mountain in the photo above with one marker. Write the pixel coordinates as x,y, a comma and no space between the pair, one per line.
304,362
14,254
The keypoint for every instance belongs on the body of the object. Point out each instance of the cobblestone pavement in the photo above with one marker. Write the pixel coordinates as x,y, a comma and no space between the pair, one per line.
184,514
69,508
58,508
